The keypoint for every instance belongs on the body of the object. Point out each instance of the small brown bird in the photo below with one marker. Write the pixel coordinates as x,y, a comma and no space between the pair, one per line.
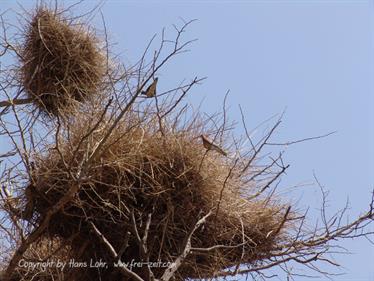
211,146
151,90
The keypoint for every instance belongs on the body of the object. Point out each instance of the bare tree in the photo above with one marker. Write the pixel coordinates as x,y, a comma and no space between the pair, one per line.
124,177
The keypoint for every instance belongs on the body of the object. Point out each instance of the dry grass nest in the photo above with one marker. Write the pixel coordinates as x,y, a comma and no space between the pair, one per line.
61,63
142,173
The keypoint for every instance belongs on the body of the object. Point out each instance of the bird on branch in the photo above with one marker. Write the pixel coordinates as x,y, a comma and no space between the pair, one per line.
209,145
151,90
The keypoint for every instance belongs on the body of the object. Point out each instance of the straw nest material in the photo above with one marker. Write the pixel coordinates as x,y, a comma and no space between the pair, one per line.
61,61
140,172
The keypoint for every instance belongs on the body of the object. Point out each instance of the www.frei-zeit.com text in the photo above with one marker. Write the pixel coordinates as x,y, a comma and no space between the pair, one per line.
91,264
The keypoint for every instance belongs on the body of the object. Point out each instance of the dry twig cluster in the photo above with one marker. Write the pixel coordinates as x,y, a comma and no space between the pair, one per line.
155,187
61,61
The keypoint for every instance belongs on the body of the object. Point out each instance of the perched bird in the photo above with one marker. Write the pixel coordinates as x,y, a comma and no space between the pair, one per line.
151,90
211,146
10,201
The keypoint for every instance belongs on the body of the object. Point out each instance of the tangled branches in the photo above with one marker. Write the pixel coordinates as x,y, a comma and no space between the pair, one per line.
125,179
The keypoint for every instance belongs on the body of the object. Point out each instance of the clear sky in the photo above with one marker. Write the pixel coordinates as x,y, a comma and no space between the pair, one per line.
315,58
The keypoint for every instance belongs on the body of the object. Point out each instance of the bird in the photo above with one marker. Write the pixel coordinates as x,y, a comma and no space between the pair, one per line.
9,200
151,90
211,146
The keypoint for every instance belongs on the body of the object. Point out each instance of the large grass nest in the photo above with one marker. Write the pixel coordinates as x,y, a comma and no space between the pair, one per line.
169,178
62,62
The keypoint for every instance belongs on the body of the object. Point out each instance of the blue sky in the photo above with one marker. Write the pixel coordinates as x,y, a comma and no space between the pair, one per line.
315,58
